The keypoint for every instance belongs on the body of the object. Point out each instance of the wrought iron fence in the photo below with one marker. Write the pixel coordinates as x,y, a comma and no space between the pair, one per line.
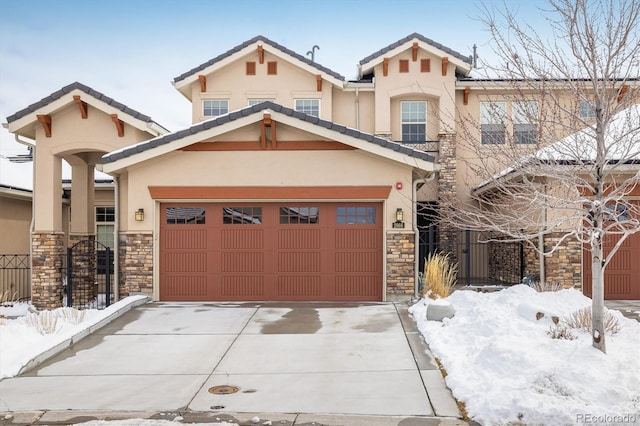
15,276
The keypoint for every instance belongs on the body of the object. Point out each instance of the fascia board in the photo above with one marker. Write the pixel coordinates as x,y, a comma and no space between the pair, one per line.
118,165
67,99
355,142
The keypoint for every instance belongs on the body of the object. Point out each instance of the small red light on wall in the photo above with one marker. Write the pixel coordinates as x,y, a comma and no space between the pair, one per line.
398,185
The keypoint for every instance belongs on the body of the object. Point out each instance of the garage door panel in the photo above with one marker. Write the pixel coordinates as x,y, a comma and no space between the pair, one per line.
357,262
299,262
185,287
248,239
358,286
242,287
242,261
299,239
185,262
182,238
357,238
299,286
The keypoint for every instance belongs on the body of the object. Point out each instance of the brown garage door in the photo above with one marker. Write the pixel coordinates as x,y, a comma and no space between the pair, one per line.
622,275
271,251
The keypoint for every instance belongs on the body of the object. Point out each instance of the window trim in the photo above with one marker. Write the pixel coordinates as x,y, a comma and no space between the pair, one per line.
402,122
214,100
484,122
98,223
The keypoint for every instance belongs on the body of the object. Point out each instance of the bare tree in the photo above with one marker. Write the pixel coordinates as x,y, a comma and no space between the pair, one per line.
567,157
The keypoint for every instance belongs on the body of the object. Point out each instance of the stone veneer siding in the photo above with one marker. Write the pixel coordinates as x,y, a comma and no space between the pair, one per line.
505,261
136,264
46,273
447,190
400,264
563,266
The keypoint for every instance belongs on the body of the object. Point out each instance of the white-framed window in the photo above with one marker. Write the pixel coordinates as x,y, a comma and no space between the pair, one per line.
214,107
586,109
308,106
105,225
525,116
257,101
413,118
492,122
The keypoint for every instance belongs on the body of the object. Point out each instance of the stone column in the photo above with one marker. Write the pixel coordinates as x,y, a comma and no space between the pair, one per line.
46,275
136,263
400,265
447,191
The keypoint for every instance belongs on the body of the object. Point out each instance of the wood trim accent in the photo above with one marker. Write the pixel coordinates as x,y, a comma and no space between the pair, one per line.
467,90
414,51
260,54
621,93
425,65
385,67
119,124
251,68
272,68
270,192
319,82
268,122
45,120
282,146
82,105
404,65
203,83
445,62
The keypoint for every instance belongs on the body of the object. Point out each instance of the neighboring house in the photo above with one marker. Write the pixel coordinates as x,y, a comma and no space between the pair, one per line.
292,183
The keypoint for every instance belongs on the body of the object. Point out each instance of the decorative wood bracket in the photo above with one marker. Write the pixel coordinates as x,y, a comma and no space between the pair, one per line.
261,54
385,67
319,83
268,122
46,124
621,93
82,105
203,83
119,124
467,90
414,51
445,62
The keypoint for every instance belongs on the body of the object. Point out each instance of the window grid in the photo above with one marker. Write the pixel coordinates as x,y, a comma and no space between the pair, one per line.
214,107
524,118
299,215
242,215
308,106
355,215
492,127
587,109
413,116
105,214
185,215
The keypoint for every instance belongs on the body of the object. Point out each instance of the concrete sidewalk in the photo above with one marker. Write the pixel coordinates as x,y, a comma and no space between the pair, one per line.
317,362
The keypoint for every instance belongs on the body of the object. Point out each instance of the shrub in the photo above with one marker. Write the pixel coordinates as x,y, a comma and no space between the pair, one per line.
439,276
45,322
581,320
561,331
71,315
546,286
8,297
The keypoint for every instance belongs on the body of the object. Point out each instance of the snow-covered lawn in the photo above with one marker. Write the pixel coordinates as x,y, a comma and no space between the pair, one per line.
499,358
504,366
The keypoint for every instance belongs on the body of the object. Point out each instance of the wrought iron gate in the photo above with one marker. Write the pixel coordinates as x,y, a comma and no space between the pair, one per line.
481,260
89,270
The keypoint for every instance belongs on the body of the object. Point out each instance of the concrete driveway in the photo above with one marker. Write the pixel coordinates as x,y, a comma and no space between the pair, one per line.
345,359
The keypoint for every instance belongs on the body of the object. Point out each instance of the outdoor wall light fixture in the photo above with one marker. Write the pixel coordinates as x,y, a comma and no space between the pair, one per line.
399,219
139,215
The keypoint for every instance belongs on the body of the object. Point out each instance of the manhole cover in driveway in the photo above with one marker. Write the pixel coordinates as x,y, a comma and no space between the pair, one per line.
223,390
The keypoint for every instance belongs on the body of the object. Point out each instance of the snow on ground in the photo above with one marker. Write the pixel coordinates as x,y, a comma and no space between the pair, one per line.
506,369
20,342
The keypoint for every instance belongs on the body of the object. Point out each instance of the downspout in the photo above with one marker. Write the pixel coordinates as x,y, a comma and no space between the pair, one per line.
357,108
32,225
416,232
541,240
116,238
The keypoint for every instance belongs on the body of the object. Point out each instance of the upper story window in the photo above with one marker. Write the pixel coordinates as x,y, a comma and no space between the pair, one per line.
586,109
308,106
413,117
492,122
525,115
214,107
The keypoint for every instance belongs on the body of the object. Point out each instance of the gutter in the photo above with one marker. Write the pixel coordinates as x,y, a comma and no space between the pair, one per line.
414,205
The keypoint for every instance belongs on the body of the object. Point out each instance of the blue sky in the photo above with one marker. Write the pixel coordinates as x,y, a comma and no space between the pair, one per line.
131,50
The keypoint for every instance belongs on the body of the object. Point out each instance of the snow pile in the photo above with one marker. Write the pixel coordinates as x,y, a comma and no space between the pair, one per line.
506,369
21,342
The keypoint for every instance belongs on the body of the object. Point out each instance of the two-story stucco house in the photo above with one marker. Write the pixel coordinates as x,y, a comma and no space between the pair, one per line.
292,183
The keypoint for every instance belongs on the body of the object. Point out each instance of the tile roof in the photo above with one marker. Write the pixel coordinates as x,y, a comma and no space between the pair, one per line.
86,89
253,109
255,39
420,37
